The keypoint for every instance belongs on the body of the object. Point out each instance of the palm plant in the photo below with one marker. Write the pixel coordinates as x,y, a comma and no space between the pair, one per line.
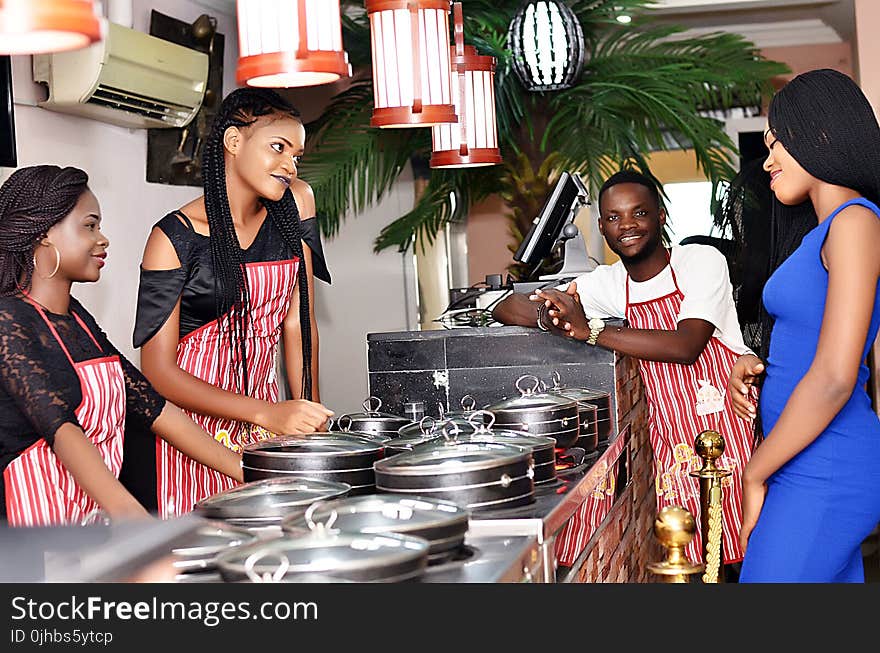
643,88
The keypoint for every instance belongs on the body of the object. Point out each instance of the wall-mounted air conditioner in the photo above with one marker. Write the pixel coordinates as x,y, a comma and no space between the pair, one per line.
129,78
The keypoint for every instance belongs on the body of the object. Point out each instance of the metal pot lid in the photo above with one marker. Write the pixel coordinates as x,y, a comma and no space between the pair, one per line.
311,445
531,399
210,539
430,426
382,513
380,437
270,498
580,394
371,414
321,552
483,423
451,458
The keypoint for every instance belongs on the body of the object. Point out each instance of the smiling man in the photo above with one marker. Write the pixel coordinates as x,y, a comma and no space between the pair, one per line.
681,325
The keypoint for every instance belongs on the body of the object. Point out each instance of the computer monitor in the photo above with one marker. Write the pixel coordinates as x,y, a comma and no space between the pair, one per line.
555,214
8,156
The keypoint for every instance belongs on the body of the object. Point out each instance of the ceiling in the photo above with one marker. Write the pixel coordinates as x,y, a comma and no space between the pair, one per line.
767,23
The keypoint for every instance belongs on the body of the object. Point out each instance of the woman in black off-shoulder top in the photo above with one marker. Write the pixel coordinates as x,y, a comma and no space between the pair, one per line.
224,281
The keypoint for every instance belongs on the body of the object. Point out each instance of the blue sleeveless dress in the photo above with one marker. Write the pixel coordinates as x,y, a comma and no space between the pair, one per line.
822,503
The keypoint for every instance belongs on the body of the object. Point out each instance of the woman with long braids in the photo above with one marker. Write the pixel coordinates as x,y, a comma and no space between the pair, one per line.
65,390
810,489
223,280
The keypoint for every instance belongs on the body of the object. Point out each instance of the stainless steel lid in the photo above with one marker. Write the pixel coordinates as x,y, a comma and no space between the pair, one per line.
312,445
371,414
484,431
269,499
451,458
341,555
383,513
200,548
531,399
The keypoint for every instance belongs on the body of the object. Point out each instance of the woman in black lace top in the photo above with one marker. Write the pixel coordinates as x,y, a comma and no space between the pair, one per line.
227,279
65,390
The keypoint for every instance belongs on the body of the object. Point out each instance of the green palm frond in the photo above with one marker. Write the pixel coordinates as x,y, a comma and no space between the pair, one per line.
349,164
448,196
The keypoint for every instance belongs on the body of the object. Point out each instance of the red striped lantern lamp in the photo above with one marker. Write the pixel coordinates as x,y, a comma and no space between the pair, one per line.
411,80
474,140
284,43
41,26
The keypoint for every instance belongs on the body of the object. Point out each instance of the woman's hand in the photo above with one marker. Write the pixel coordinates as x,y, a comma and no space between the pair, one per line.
565,310
294,416
745,373
754,493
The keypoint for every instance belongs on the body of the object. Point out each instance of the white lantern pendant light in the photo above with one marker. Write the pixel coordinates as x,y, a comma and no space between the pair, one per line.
474,140
285,43
411,80
547,43
42,26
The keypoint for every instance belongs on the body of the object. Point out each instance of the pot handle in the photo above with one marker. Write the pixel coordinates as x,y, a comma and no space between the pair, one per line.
266,577
320,528
528,391
557,381
482,426
427,425
449,431
348,424
441,411
368,402
468,403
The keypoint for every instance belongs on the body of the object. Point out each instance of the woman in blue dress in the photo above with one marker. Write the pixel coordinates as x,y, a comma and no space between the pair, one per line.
811,491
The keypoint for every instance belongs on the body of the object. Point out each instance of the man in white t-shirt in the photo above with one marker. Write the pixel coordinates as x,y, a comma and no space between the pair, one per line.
681,325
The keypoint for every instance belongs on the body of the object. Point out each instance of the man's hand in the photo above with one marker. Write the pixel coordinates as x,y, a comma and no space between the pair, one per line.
565,310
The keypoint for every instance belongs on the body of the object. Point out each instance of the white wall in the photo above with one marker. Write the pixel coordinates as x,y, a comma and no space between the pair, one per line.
367,294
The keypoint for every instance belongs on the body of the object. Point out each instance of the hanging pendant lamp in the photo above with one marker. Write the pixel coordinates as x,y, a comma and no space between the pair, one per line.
411,80
42,26
474,140
547,43
284,43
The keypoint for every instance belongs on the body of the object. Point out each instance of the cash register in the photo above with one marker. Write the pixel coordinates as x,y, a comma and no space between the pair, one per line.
552,228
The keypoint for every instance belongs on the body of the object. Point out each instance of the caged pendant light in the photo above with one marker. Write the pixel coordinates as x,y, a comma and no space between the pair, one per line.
474,140
284,43
547,43
43,26
411,80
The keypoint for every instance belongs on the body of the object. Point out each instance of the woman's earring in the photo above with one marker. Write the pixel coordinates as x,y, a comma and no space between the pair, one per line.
57,263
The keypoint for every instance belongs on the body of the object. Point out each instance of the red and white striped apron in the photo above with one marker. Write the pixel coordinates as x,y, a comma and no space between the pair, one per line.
671,392
39,489
182,482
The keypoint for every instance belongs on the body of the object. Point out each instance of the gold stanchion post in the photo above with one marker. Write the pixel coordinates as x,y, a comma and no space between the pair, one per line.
675,527
709,446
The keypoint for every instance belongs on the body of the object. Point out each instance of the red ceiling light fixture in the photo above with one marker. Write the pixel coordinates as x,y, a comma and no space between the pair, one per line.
474,140
411,81
42,26
285,43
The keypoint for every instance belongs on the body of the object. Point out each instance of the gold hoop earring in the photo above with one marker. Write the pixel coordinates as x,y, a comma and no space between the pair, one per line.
57,263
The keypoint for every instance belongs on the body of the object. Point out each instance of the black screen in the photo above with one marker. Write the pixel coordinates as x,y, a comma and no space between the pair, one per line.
8,158
547,227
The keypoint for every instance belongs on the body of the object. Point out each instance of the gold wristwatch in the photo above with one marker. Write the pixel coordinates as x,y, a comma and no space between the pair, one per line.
596,325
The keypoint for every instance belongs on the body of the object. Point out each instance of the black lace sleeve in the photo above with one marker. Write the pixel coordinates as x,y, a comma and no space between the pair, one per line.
142,402
159,290
39,390
312,237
